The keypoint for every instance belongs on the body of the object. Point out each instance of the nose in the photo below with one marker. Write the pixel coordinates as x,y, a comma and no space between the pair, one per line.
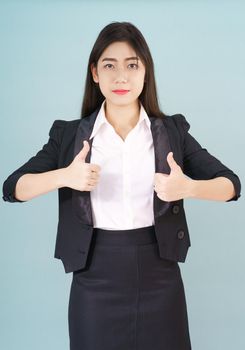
121,76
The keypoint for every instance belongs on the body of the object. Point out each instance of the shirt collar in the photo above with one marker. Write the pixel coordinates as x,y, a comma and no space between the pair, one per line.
101,119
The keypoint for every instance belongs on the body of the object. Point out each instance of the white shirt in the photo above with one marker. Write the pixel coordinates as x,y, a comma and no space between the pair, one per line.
123,197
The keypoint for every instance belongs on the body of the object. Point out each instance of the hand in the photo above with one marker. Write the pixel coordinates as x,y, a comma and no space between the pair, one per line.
80,175
174,186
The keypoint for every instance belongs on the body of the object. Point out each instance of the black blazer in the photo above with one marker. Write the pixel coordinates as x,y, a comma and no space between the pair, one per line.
75,225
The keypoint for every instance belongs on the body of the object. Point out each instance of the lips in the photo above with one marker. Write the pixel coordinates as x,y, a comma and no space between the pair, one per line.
120,92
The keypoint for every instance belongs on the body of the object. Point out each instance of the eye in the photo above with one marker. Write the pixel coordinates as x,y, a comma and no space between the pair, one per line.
108,64
134,64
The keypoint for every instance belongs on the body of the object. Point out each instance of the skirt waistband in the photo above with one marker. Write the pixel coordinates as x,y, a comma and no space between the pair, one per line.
142,235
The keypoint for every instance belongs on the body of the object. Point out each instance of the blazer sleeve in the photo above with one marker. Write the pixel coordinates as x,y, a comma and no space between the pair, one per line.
199,164
45,160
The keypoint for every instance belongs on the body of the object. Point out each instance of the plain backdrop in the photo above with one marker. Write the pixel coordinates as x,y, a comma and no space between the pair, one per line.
199,55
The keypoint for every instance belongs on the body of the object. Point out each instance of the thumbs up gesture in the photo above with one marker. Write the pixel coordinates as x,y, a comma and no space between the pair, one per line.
174,186
80,175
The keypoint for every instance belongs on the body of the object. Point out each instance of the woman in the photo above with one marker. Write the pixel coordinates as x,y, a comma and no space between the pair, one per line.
122,171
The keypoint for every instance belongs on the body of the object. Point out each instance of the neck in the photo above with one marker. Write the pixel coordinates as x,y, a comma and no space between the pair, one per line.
122,117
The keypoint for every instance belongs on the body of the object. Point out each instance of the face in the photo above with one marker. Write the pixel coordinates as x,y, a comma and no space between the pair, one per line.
119,69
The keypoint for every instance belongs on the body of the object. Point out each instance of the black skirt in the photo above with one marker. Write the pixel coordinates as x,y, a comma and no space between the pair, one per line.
127,297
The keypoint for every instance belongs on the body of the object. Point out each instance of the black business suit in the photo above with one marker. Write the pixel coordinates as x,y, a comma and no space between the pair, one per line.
150,271
75,216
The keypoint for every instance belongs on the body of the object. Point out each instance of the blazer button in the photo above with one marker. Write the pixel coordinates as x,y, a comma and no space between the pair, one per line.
181,234
175,209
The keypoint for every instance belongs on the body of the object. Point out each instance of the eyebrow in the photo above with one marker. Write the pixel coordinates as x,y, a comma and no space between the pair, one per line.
115,60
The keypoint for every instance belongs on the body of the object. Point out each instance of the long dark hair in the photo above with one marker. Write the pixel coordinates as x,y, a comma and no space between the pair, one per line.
126,32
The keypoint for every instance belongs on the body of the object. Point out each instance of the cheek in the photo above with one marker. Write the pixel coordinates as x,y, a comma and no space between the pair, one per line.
140,79
105,81
138,84
104,84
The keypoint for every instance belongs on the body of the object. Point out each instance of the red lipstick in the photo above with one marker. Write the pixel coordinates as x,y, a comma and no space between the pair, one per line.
120,92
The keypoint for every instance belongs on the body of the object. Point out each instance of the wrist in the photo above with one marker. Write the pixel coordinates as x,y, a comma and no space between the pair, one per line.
191,188
61,177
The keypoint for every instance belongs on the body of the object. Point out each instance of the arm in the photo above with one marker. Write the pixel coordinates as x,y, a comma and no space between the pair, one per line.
37,169
32,185
210,178
219,189
177,185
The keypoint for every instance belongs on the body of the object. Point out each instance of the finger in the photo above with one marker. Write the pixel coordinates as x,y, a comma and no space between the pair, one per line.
94,167
159,176
171,162
84,151
93,175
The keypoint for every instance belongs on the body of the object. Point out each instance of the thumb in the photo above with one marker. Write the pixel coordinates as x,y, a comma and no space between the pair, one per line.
84,151
171,162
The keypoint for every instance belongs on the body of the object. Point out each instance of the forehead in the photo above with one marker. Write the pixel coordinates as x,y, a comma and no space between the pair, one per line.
119,51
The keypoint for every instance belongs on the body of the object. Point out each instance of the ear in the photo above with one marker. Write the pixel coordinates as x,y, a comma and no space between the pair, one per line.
94,73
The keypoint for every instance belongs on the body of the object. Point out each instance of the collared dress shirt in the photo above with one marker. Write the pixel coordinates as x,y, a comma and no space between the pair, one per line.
123,197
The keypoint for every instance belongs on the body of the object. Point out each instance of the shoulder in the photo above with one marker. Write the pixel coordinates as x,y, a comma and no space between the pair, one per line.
63,129
176,122
63,124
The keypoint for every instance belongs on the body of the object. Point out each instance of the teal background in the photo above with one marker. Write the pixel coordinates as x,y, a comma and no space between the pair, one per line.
199,55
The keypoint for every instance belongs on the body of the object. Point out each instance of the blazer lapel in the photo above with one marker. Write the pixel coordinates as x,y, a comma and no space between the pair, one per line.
81,200
161,148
